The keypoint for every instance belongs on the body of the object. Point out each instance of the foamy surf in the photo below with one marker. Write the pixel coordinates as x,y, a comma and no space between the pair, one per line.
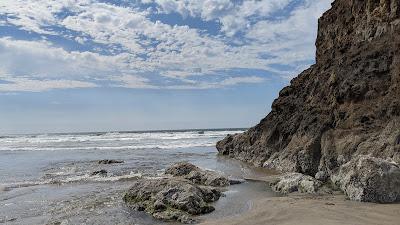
113,141
73,179
59,177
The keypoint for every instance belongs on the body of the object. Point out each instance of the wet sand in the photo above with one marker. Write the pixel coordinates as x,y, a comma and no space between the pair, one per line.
52,187
61,190
314,210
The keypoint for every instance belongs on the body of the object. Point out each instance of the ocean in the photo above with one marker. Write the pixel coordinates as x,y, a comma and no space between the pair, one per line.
48,178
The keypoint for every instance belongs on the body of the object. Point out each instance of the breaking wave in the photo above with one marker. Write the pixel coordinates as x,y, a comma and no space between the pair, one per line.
72,179
114,140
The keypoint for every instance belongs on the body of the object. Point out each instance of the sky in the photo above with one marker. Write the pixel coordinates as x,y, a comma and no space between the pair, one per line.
108,65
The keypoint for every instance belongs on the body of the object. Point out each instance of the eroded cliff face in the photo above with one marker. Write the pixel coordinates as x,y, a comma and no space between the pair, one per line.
347,104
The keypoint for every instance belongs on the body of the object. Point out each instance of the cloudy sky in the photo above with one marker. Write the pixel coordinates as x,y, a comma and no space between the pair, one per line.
87,65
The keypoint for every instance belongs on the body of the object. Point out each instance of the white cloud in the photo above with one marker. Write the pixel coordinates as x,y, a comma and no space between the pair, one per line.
41,59
227,82
132,81
296,26
81,40
31,85
292,39
242,80
133,46
233,17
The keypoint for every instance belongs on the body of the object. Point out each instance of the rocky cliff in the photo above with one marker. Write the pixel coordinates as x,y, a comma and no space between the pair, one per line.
347,104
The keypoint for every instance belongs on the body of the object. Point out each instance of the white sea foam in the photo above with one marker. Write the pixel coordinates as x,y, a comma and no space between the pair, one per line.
72,179
112,141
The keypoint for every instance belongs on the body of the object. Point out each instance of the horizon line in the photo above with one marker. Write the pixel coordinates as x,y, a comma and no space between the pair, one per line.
130,131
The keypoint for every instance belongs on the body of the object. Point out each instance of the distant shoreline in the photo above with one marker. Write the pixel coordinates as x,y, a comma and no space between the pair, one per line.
128,131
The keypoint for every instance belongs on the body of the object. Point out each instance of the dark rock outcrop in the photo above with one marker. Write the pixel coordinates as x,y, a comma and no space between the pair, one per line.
198,176
99,173
370,179
171,199
109,161
179,197
296,182
181,169
347,104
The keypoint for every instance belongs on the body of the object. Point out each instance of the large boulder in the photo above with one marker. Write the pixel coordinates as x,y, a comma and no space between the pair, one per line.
296,182
369,179
181,169
186,192
196,175
171,199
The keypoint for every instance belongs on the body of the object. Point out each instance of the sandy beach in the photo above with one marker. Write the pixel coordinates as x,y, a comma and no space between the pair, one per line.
217,112
314,210
77,197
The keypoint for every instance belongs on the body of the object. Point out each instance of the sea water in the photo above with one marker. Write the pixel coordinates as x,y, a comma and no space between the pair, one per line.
46,178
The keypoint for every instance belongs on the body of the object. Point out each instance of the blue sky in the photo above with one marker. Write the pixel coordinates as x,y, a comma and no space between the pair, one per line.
101,65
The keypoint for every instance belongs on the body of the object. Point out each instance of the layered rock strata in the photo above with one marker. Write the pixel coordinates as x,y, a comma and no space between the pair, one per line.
345,105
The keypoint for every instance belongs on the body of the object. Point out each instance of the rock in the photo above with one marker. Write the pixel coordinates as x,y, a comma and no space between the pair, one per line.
7,220
346,104
173,215
181,169
216,180
4,188
369,179
196,175
171,199
54,223
296,182
321,176
236,181
109,161
188,192
99,172
208,178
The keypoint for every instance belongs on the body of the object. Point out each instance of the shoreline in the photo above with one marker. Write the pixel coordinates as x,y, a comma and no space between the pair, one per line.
302,209
249,203
307,209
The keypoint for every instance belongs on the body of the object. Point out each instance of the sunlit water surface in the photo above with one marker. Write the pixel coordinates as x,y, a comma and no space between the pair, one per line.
46,179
